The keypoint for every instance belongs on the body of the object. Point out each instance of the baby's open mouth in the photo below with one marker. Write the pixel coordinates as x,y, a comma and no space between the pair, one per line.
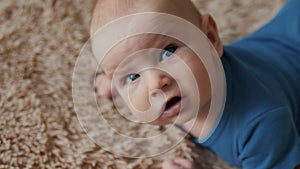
172,107
173,101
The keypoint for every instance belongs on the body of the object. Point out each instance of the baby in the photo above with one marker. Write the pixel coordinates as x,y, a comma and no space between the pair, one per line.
258,125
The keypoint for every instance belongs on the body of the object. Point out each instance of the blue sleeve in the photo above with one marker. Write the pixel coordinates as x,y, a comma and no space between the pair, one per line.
281,34
270,141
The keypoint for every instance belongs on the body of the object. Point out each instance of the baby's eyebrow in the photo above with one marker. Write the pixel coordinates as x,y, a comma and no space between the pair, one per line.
146,42
111,71
156,40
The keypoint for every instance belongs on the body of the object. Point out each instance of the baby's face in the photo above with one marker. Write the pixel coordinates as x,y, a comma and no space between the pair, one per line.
159,78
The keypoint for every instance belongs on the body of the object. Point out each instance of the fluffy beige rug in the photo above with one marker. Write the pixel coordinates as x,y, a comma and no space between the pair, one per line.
39,44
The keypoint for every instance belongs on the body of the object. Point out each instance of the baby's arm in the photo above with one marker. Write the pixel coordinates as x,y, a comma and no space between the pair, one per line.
270,141
102,85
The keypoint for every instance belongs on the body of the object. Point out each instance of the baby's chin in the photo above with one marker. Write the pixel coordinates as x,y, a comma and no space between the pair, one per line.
163,122
160,123
166,123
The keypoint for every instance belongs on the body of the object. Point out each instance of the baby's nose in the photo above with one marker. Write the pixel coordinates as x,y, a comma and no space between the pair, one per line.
158,80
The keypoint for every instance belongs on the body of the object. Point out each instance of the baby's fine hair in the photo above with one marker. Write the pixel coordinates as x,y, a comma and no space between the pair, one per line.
104,11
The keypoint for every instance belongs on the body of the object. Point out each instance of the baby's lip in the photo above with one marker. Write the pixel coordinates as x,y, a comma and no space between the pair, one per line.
172,107
171,102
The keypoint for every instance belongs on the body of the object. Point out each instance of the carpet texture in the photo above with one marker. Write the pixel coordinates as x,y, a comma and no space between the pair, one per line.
39,45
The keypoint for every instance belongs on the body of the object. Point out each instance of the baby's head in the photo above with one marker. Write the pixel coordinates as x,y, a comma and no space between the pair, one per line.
155,73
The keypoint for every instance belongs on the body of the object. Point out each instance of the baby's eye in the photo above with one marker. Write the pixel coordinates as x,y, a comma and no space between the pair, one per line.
168,51
132,77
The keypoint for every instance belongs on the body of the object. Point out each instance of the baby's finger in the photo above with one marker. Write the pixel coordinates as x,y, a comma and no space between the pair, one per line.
171,164
185,163
102,86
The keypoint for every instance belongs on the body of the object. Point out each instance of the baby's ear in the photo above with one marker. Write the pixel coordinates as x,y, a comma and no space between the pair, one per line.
103,86
210,29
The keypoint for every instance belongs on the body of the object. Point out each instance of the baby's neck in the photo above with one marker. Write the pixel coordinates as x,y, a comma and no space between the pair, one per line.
200,127
195,127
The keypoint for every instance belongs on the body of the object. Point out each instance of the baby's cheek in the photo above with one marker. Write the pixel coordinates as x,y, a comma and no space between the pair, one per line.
139,102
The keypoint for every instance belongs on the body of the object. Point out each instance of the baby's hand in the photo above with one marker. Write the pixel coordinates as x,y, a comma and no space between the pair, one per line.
178,163
102,86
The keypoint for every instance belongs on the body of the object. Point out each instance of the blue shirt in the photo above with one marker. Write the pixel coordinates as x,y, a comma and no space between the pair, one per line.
260,125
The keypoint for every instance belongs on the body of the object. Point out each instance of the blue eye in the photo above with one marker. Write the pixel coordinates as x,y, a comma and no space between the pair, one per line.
132,77
168,51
